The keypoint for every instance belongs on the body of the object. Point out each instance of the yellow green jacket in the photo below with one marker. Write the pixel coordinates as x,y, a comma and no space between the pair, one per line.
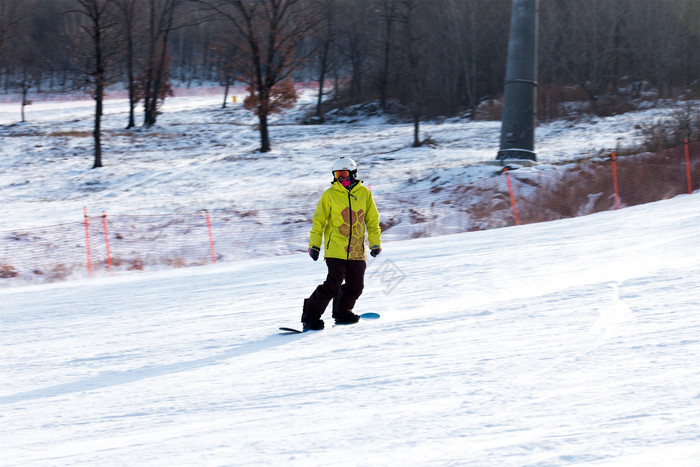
340,219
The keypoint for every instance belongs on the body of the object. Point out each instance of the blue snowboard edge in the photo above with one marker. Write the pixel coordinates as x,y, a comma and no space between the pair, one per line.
369,316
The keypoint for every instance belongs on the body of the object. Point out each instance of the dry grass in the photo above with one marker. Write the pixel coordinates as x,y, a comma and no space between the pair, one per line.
58,272
584,189
71,134
589,188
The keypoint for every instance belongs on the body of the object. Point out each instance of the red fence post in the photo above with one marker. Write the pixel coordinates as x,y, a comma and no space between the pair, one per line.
87,241
617,192
512,197
211,238
687,167
109,255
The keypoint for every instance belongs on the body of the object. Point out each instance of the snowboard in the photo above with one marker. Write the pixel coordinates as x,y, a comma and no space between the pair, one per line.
299,331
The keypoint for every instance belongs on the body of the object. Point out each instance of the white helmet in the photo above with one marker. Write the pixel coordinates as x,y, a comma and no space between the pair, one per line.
344,163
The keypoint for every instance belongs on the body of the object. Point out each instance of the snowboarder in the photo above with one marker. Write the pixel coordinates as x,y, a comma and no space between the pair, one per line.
339,222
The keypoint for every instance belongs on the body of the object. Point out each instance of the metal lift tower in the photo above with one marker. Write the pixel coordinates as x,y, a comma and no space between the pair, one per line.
518,121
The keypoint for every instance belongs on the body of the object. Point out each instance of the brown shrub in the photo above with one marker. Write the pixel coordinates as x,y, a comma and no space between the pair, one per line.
489,110
671,132
7,271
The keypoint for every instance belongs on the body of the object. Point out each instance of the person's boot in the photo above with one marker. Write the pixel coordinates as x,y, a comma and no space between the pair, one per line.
347,317
343,316
311,321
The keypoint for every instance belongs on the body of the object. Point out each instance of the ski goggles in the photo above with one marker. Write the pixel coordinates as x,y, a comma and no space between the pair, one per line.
342,174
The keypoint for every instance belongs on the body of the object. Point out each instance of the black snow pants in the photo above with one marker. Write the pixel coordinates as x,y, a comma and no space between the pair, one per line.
343,294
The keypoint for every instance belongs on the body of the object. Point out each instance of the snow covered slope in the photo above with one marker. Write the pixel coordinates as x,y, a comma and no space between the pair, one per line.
573,342
200,156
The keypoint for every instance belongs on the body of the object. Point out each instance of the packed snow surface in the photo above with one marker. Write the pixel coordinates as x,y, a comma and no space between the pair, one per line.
573,342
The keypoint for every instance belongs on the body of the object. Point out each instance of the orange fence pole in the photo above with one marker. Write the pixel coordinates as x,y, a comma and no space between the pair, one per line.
687,167
211,238
109,255
512,197
87,241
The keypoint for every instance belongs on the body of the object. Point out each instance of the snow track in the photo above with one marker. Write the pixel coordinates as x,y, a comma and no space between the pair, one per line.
568,343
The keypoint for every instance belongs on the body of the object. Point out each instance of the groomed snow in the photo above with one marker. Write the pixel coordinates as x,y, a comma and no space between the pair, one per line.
573,342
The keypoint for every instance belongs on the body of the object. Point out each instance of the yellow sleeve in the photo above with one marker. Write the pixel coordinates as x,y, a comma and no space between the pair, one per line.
319,222
372,222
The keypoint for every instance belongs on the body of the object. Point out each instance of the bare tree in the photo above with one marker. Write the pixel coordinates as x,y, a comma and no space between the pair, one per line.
98,22
15,49
128,16
413,48
10,17
471,40
597,49
658,50
356,43
388,15
587,48
462,44
325,38
28,72
224,56
155,80
270,31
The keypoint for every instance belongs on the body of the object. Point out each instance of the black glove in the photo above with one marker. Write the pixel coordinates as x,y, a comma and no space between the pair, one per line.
313,252
374,251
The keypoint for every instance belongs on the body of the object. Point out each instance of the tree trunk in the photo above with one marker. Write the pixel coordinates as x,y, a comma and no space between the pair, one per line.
24,100
158,82
99,96
223,106
132,90
416,129
127,18
158,57
389,9
264,135
148,119
321,79
99,91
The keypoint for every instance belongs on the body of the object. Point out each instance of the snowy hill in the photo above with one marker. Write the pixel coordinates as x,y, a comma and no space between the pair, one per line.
200,156
573,342
565,343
